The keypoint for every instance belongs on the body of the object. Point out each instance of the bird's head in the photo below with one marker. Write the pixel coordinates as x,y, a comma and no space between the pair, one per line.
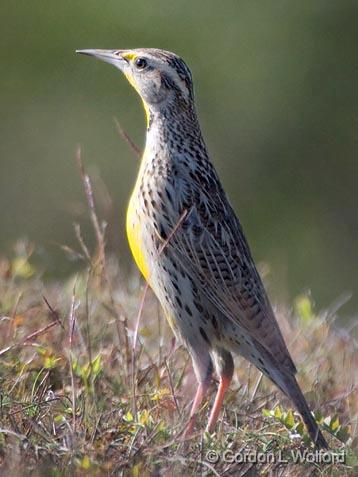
160,77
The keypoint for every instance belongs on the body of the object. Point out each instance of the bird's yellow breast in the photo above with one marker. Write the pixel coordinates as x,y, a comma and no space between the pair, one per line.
134,225
135,236
137,243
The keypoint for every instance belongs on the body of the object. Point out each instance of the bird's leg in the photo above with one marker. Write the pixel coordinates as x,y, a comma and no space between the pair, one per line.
223,385
225,368
198,399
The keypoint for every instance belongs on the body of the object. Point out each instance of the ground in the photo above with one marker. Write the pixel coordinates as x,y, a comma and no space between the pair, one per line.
82,393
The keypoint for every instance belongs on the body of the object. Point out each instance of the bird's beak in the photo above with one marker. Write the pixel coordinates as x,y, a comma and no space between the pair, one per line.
114,57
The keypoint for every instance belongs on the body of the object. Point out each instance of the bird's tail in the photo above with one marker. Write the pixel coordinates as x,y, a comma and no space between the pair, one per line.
293,391
285,380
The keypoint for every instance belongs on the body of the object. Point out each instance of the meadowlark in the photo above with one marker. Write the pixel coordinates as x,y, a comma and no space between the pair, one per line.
189,244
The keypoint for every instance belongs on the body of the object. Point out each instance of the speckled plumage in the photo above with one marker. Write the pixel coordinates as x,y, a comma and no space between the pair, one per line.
204,275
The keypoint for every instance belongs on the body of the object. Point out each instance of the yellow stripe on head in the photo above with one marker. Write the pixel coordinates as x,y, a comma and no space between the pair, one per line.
130,56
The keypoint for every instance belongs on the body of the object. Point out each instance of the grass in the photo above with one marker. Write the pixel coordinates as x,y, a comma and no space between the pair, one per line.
93,383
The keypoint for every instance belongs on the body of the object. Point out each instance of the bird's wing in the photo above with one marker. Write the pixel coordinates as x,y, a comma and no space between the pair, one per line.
211,247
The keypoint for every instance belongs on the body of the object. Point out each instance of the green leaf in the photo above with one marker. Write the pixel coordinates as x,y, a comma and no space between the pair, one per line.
304,309
300,428
97,365
144,417
334,424
290,420
128,417
20,267
136,470
318,416
85,463
50,362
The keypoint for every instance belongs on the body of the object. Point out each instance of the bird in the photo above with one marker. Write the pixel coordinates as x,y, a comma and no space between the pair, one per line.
189,244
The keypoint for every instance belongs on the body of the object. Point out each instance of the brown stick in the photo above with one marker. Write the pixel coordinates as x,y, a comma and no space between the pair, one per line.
124,135
82,243
29,337
72,322
53,312
92,209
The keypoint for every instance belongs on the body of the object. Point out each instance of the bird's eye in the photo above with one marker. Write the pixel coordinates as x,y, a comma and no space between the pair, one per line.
140,63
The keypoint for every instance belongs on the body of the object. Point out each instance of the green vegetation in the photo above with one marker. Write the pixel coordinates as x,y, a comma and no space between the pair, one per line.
78,398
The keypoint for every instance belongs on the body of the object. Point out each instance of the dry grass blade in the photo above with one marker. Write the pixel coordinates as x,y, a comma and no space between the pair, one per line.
82,243
134,345
124,135
29,337
99,231
71,330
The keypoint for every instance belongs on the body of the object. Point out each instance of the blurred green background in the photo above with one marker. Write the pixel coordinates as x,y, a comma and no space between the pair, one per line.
276,87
